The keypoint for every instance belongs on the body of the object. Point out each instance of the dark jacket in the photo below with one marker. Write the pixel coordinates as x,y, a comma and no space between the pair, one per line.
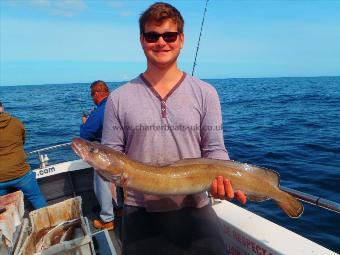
93,127
12,155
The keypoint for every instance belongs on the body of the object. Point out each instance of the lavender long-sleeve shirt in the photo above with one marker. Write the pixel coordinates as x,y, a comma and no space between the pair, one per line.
187,123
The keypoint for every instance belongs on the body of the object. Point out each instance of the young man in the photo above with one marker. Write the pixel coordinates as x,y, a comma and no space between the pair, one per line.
15,173
162,116
91,130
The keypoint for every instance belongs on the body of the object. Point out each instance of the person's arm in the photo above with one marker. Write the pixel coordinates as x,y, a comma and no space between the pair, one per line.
90,128
213,146
212,142
22,129
113,132
23,135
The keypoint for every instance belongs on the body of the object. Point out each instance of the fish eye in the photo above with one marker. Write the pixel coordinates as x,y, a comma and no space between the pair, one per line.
93,150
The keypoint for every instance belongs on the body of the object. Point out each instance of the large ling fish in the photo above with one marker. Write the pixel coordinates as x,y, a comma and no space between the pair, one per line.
187,176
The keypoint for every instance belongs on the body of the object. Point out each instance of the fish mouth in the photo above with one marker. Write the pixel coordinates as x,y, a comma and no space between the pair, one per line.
76,146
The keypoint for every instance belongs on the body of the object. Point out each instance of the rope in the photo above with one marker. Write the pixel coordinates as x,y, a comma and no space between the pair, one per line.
199,38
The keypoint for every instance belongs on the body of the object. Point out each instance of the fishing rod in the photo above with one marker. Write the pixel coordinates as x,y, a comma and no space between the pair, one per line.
199,38
314,200
84,113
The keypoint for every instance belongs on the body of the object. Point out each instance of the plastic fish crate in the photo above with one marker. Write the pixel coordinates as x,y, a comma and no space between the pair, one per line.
51,216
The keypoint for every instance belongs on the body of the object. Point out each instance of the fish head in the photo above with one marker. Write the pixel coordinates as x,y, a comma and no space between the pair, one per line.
95,154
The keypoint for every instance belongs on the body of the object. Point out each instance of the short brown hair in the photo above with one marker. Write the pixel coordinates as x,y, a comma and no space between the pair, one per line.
99,86
158,12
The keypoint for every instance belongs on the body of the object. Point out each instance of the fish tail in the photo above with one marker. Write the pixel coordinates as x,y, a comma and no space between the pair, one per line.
290,205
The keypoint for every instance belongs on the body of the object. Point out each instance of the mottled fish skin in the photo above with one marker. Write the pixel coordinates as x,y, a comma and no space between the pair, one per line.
188,176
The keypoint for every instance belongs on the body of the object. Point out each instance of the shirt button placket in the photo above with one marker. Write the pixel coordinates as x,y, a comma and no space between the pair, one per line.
163,109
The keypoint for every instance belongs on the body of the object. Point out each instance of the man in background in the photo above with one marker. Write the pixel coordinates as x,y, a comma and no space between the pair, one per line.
91,130
15,173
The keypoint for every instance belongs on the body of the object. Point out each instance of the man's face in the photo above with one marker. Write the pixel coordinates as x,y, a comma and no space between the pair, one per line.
161,53
94,96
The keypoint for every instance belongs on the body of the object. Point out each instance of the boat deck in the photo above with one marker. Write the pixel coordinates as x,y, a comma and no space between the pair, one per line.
91,209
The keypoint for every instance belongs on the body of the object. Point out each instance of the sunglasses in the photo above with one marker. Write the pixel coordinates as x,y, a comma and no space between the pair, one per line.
152,37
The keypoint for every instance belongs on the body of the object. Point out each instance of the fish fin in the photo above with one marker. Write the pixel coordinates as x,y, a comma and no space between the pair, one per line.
257,198
269,175
290,205
193,161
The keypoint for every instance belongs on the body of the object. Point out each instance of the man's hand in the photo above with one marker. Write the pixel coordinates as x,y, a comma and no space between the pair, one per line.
221,188
84,119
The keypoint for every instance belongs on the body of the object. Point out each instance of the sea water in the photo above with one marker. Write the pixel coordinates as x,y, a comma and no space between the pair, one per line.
291,125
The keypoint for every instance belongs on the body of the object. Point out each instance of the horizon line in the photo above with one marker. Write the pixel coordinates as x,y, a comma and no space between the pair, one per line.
228,78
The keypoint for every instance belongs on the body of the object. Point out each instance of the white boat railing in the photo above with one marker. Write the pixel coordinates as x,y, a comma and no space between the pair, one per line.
49,148
43,158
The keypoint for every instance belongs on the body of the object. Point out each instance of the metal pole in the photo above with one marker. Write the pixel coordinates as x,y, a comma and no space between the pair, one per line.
314,200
